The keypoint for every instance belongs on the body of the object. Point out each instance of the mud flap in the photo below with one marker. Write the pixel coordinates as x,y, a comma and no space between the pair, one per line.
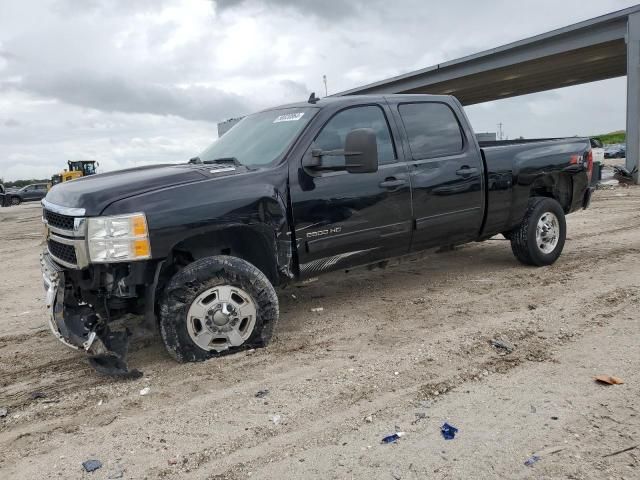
108,353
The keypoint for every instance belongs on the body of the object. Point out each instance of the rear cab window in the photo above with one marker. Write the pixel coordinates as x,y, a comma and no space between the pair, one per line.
432,129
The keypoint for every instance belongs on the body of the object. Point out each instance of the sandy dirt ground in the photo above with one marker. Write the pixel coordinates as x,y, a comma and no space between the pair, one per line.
401,349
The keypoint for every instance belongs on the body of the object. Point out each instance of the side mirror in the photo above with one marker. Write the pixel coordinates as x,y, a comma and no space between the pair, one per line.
361,151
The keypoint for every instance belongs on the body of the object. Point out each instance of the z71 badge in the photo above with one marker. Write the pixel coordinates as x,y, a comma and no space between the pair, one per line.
322,233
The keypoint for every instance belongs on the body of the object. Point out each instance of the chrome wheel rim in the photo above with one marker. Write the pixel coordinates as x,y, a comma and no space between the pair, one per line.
221,317
547,232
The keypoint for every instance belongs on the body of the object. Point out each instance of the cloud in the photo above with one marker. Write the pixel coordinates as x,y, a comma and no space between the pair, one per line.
143,81
118,94
329,9
11,122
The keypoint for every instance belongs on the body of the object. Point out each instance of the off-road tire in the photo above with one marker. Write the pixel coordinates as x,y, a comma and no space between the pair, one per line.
523,237
188,283
15,201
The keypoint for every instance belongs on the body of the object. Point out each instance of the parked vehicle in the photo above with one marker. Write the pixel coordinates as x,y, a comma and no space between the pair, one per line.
289,193
28,193
597,150
615,151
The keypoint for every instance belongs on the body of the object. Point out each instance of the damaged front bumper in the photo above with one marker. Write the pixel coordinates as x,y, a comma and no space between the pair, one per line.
79,326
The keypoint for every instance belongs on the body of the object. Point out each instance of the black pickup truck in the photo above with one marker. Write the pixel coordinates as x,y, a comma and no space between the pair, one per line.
289,193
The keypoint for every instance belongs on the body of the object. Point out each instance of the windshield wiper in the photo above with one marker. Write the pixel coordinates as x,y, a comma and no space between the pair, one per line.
222,160
215,161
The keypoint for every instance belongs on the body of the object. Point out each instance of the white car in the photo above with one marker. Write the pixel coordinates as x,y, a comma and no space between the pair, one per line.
597,150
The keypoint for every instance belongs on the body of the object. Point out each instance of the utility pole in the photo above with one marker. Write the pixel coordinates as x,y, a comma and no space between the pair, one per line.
326,91
500,133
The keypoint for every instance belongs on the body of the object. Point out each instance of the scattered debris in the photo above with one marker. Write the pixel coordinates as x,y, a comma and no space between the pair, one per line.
393,438
503,344
145,391
618,452
3,412
533,409
419,416
172,461
117,473
532,306
531,460
549,451
396,373
554,418
250,351
276,419
36,395
368,418
262,393
293,295
317,309
100,403
92,465
622,174
608,379
448,431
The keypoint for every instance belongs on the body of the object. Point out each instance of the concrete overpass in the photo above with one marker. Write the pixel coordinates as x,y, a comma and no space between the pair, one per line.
597,49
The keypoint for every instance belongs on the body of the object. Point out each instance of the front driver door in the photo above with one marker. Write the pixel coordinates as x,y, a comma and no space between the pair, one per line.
344,219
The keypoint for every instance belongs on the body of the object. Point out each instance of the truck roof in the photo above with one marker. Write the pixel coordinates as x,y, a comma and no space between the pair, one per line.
349,99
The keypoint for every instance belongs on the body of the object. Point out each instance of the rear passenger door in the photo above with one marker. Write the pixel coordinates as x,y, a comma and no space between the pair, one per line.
445,172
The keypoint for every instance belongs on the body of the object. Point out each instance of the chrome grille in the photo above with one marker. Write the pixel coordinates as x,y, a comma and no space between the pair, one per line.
60,251
66,241
57,220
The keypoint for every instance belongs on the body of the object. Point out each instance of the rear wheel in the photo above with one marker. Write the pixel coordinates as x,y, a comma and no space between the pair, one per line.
15,201
540,238
217,305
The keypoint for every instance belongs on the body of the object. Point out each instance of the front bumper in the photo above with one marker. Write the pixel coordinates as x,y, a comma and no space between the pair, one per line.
53,278
78,325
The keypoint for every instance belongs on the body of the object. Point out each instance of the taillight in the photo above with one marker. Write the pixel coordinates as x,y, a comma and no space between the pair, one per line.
589,164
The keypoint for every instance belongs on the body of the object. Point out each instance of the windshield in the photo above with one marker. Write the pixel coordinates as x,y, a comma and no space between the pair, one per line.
261,138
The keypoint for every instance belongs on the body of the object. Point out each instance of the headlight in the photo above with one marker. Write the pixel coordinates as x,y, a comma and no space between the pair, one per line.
119,238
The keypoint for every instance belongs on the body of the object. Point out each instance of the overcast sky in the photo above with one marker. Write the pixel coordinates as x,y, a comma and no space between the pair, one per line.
140,81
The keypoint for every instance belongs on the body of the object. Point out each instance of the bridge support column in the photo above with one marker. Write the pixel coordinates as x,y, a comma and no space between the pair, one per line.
633,94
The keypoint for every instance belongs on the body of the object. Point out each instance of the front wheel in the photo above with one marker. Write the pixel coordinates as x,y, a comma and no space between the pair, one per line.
540,238
15,201
217,305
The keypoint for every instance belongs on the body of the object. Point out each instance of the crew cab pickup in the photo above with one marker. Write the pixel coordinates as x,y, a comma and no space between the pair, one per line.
287,194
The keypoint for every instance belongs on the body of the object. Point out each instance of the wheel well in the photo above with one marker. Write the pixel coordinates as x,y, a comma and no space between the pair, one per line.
559,189
247,243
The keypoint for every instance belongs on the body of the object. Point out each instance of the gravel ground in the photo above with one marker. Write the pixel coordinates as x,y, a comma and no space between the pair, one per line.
401,349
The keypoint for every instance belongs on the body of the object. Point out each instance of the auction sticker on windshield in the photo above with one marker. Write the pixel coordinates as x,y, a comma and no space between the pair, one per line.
289,117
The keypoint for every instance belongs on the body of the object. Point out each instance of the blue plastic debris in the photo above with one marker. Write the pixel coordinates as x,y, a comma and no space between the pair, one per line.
448,431
393,438
531,460
92,465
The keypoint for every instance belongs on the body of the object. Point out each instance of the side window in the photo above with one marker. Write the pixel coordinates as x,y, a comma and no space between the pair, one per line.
432,128
334,133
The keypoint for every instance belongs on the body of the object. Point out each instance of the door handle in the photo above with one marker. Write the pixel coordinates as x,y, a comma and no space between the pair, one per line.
392,182
466,171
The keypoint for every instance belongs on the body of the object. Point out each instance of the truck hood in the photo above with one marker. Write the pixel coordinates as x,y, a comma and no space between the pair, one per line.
97,192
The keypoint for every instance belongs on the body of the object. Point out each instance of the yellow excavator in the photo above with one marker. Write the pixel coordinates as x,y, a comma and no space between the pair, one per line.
77,169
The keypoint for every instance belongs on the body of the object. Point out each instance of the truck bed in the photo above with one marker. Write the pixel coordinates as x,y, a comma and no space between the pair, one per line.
514,167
